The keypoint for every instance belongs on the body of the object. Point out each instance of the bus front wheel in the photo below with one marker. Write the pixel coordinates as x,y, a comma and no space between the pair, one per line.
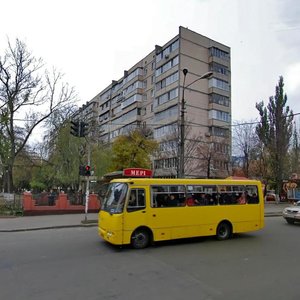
140,239
223,231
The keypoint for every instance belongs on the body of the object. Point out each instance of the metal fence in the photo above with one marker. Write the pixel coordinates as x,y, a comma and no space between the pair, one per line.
47,198
11,204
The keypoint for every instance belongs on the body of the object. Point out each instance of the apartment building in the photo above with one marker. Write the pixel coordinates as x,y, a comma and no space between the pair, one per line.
189,115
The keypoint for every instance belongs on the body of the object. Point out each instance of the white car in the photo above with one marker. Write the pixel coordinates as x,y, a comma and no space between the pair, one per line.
292,213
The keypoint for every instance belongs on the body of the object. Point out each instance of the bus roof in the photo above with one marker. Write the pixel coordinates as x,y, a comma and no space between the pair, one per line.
184,181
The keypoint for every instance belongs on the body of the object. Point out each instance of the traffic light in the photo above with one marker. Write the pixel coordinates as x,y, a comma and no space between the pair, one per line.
87,170
75,129
83,129
82,170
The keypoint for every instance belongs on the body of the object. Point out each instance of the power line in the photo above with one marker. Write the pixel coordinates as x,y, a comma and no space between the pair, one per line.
173,122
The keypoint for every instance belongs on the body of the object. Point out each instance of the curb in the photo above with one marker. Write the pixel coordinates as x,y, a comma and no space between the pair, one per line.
92,223
273,215
50,227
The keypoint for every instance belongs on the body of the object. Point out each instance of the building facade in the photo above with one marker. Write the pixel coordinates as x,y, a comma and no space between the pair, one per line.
189,116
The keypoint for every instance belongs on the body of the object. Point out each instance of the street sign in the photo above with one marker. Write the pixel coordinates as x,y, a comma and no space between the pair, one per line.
137,172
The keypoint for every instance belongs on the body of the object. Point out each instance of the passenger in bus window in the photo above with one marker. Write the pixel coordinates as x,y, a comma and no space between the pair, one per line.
211,199
181,199
162,200
202,200
171,201
253,199
243,198
191,201
132,199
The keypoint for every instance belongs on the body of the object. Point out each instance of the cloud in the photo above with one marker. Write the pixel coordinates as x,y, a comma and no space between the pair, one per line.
292,78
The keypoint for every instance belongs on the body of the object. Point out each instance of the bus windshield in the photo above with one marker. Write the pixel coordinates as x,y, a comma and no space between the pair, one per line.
115,198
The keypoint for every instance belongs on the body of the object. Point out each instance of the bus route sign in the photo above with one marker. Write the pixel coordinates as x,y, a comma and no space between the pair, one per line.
137,172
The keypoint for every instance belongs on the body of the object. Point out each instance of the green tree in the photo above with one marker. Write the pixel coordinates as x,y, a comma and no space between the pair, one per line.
101,161
65,158
28,93
133,150
61,168
275,131
24,164
295,153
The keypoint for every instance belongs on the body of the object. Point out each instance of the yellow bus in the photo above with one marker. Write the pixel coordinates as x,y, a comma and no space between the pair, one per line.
140,211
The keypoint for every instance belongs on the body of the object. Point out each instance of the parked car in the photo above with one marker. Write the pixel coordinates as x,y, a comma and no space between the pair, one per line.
292,213
270,196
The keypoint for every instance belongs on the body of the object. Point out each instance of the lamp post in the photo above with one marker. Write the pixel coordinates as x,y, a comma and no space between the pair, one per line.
87,190
182,120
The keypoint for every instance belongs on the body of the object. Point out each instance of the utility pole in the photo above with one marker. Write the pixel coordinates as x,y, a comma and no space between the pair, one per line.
87,177
182,129
181,172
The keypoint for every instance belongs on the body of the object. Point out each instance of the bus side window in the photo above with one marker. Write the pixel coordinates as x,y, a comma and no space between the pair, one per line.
141,198
160,200
222,198
136,200
253,199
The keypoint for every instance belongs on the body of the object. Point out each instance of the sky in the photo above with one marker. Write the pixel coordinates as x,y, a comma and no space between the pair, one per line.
92,42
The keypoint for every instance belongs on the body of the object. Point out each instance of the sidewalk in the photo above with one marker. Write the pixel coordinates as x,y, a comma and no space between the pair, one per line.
26,223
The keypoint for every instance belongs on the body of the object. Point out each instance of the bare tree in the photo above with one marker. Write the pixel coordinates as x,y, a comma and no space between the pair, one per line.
213,157
201,155
245,144
28,96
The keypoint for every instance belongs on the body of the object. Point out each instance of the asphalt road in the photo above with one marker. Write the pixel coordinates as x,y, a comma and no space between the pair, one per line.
73,263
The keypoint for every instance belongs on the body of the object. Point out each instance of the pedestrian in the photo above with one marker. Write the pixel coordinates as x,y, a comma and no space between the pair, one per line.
51,198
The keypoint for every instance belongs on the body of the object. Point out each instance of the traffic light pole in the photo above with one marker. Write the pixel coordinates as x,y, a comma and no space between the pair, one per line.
87,191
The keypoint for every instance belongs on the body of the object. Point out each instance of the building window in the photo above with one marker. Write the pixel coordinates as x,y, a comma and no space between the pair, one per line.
167,51
218,68
132,99
221,148
153,65
124,118
168,146
167,81
133,74
214,51
103,117
133,87
168,113
218,131
170,95
165,130
219,115
219,99
166,163
220,164
152,93
167,66
218,83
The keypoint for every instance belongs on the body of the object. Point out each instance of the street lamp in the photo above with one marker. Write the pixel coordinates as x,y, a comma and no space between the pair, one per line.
182,125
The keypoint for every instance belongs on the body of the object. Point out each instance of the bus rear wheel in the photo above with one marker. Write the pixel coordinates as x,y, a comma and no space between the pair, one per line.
140,239
223,231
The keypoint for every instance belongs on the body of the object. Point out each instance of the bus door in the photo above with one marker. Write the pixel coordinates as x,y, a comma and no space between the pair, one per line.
167,215
135,212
